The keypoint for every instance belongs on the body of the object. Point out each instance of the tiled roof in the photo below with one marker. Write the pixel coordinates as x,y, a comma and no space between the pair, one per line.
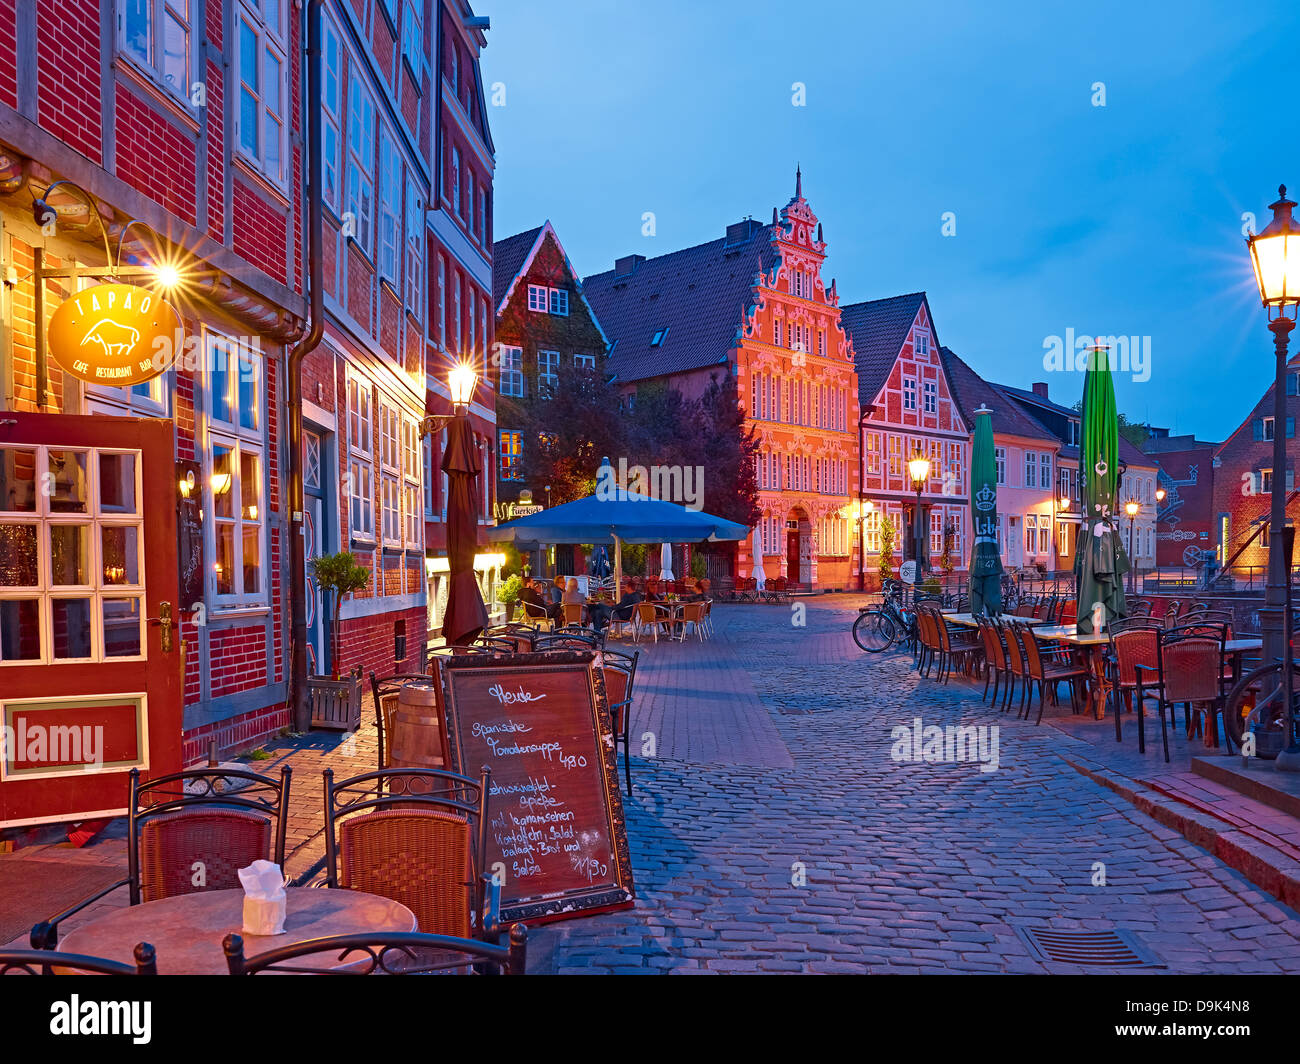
1128,452
508,257
878,329
1034,397
698,294
972,391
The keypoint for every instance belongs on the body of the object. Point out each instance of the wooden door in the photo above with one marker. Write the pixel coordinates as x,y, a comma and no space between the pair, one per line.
792,555
90,658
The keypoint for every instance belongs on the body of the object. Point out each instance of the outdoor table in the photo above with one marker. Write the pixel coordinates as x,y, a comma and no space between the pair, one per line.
1093,645
672,613
186,931
969,620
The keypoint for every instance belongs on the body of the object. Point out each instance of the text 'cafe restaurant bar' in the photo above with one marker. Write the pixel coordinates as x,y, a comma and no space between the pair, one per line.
142,463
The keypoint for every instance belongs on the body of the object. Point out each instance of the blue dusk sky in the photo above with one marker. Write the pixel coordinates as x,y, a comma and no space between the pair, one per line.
1123,219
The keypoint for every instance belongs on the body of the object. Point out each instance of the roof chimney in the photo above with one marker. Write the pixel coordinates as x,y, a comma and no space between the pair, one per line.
627,265
1040,389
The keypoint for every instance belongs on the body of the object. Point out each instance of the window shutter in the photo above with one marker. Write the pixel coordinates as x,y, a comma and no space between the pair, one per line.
1290,428
1257,428
1290,384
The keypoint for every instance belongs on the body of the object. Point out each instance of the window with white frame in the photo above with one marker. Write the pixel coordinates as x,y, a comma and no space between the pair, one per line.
1044,534
390,205
1045,469
331,105
156,34
235,488
469,199
260,63
412,505
922,344
1031,533
1031,470
930,397
415,248
510,448
584,361
426,449
895,456
512,371
548,362
361,162
390,473
560,302
360,475
455,180
909,393
538,298
1000,457
413,37
776,333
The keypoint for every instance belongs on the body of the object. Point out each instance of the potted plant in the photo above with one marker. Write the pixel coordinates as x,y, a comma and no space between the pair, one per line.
508,594
336,700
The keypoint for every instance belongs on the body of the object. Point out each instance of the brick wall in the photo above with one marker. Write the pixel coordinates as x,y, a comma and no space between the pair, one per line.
237,659
367,642
153,156
68,95
259,231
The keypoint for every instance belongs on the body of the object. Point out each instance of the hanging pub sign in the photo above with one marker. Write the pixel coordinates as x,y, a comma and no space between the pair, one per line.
114,334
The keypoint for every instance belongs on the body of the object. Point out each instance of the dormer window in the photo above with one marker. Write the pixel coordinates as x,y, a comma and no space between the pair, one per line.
658,337
922,345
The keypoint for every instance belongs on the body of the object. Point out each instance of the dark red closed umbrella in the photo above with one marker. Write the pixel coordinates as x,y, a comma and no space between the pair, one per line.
466,615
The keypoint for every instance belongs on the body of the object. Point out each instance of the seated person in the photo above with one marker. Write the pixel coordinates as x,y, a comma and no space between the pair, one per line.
627,605
529,594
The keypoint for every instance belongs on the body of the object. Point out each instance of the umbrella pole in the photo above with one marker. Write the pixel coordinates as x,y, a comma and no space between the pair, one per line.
618,571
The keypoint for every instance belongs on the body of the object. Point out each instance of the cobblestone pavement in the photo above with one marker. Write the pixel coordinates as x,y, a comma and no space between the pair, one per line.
773,768
909,867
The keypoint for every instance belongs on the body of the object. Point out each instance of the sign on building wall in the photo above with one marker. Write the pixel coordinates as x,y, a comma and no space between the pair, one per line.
114,334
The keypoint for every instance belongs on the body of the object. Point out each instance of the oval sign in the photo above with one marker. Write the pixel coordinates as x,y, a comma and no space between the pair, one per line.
115,334
907,572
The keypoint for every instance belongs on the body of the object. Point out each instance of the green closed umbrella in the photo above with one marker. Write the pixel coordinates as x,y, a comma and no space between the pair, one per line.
1099,559
985,564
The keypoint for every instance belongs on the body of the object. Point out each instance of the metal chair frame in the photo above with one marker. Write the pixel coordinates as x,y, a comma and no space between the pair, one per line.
380,953
43,961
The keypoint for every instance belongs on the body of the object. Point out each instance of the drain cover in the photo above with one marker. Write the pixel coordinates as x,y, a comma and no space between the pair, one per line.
1102,949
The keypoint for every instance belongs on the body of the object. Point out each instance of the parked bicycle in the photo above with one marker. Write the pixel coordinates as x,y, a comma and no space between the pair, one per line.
878,628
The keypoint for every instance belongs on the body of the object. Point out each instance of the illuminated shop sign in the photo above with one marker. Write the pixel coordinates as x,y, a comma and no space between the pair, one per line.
114,334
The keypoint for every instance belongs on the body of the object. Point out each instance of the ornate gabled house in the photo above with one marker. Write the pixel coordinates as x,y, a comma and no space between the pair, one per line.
545,332
908,409
753,304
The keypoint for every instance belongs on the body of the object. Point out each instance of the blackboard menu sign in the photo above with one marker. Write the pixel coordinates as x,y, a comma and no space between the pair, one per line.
541,723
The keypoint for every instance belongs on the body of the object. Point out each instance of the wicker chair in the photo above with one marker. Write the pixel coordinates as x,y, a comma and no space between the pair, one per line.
1131,644
995,657
693,614
620,674
648,618
219,817
962,645
386,953
1189,669
387,692
927,649
44,961
1042,671
417,837
1016,669
572,613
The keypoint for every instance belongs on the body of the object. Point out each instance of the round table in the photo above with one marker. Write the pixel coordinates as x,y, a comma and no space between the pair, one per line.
186,931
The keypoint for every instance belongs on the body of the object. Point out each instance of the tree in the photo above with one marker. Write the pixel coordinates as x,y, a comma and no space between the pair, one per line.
886,548
340,574
566,436
726,448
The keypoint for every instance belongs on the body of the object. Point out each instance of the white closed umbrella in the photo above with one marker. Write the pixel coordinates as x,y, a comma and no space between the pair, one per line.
666,562
760,577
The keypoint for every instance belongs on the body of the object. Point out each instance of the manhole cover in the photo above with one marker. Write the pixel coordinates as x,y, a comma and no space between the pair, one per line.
1102,949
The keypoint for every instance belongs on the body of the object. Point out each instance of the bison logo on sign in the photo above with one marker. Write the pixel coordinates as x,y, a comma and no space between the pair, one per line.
115,334
115,339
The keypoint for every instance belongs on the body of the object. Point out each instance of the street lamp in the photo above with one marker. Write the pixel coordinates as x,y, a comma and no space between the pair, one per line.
1131,508
919,468
1275,255
462,379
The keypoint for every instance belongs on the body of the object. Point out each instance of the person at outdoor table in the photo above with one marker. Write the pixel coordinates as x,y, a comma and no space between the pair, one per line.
554,593
530,594
572,596
627,607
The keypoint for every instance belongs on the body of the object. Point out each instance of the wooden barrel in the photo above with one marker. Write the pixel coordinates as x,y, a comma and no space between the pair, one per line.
418,729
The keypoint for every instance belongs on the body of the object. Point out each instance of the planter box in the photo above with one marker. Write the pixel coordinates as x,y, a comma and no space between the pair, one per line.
335,704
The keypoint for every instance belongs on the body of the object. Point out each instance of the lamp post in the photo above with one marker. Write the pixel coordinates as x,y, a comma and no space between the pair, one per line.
1275,255
919,468
1131,508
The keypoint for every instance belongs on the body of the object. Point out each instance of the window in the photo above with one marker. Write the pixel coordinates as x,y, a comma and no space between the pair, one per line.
260,61
547,380
512,371
455,180
560,302
1062,539
360,478
584,361
234,487
390,204
821,342
922,344
331,105
1265,481
909,393
1074,433
1031,469
413,38
1267,428
483,214
412,506
510,445
156,33
1045,469
361,162
470,216
1031,533
658,337
776,333
415,293
931,397
1044,535
895,456
440,325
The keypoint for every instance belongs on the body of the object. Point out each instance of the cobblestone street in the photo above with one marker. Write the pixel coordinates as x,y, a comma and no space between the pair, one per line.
784,763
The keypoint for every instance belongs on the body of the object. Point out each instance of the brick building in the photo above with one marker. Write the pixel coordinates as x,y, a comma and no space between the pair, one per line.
1244,481
187,120
754,304
908,407
1185,519
546,332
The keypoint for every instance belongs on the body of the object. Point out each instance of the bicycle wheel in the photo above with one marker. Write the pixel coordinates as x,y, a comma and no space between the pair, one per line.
1255,699
874,631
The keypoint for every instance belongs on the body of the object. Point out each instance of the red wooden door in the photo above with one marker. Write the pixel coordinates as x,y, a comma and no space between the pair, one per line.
792,555
90,679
